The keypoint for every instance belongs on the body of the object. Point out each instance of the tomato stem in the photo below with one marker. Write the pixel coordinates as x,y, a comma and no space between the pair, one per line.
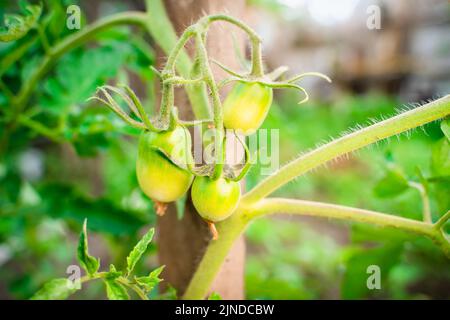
213,230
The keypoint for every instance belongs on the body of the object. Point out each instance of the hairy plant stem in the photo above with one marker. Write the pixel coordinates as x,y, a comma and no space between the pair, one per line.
254,205
349,143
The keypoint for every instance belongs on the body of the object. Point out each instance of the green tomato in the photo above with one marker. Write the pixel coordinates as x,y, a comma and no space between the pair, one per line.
215,200
246,107
160,166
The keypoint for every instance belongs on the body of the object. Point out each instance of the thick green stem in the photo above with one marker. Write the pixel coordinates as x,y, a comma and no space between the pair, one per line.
349,143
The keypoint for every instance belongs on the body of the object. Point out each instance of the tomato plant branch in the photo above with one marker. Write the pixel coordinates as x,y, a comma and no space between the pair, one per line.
217,104
133,287
230,230
214,256
318,209
349,143
441,222
425,200
41,129
302,207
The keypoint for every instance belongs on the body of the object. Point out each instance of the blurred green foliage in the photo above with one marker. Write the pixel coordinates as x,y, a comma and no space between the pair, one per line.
47,189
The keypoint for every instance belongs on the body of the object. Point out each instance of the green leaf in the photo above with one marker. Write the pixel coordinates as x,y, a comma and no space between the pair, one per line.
440,158
214,296
56,289
139,250
17,26
115,290
150,281
354,282
392,184
113,273
445,127
89,263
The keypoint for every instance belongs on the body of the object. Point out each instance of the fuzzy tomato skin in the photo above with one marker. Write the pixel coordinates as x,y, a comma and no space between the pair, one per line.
246,107
159,166
215,200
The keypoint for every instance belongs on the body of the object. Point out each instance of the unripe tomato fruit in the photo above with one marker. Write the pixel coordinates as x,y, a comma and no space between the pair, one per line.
159,165
215,200
246,107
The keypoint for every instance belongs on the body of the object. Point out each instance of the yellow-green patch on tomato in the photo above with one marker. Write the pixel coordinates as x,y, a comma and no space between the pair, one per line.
159,175
246,107
215,200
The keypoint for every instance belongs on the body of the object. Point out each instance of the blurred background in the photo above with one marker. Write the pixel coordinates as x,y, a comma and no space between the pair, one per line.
68,159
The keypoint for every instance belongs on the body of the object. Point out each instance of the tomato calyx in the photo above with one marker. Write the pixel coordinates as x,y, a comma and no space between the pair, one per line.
143,122
233,173
270,80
